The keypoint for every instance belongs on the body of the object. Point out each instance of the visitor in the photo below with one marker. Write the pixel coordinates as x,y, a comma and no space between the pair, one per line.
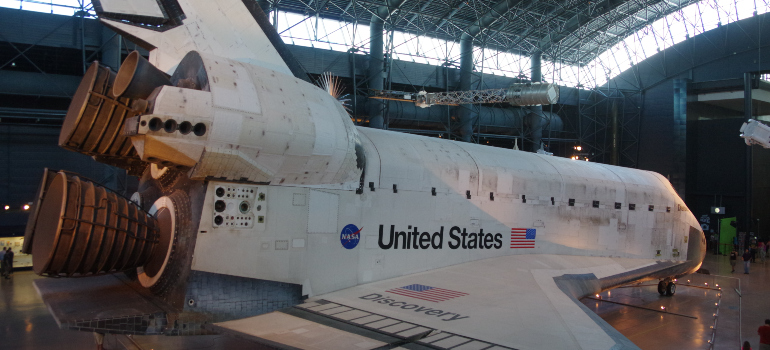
764,335
746,261
733,260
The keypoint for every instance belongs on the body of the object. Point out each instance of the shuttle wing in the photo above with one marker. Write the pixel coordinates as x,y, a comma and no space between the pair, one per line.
512,302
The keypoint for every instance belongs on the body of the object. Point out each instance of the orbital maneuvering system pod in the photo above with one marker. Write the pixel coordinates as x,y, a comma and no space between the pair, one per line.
208,120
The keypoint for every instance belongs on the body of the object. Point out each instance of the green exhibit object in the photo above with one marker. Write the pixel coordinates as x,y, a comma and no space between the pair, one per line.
726,234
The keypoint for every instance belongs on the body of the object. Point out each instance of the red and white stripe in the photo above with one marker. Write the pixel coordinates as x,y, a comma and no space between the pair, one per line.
519,239
435,294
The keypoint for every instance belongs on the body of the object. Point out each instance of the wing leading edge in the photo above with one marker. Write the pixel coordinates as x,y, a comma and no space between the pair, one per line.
512,302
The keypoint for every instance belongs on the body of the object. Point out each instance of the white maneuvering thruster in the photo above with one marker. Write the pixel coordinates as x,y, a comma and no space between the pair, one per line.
756,133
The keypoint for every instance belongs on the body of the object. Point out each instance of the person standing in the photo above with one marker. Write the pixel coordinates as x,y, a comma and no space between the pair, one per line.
746,260
762,252
766,246
733,259
8,258
764,336
2,262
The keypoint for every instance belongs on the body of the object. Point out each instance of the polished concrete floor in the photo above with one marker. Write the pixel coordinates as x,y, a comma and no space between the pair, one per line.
684,321
26,324
735,311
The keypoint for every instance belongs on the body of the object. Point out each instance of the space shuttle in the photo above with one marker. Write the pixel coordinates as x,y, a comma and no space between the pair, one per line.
264,212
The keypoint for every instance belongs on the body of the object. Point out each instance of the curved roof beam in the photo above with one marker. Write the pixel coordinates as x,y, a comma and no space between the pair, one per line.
489,18
577,21
384,12
638,25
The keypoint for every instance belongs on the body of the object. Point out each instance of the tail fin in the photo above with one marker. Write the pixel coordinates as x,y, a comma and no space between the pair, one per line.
169,29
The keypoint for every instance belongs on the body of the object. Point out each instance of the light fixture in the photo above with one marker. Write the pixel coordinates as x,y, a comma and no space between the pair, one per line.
26,207
7,207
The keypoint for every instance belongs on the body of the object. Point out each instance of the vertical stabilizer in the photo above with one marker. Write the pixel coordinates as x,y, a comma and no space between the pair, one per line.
170,29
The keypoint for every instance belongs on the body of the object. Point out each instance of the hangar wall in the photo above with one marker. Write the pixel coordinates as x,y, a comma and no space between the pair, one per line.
24,152
714,152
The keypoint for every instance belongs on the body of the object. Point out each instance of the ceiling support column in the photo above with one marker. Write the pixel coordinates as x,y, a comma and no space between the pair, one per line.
535,116
465,112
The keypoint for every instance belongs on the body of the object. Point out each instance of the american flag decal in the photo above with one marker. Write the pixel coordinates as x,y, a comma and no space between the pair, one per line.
523,238
423,292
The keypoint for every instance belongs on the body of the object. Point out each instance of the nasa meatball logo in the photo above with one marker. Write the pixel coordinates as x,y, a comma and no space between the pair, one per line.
350,236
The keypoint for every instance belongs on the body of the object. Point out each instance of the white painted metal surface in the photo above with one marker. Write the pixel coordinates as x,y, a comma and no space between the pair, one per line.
222,27
299,333
261,126
527,191
532,313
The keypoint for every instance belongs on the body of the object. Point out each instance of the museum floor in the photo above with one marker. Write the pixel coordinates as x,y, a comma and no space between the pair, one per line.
26,324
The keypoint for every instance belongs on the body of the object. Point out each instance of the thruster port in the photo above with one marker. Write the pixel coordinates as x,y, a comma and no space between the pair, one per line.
170,126
199,129
218,220
220,206
244,207
220,191
155,124
185,128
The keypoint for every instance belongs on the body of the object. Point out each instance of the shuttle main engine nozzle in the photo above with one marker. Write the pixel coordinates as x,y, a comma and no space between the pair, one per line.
94,122
137,78
81,228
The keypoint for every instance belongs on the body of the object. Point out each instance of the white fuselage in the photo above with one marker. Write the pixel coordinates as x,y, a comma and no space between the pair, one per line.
421,203
301,236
